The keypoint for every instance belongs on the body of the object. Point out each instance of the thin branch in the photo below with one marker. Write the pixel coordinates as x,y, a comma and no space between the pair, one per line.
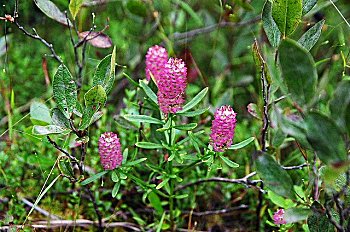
216,212
205,30
40,210
265,93
61,150
98,213
259,207
332,220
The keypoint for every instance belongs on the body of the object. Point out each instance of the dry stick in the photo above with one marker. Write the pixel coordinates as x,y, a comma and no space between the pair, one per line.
216,212
40,210
61,150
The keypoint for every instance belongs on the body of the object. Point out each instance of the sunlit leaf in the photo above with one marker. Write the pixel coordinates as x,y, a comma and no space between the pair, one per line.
96,39
52,11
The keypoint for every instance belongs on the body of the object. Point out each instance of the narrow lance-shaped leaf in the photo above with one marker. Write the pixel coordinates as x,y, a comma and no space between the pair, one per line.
148,91
194,101
105,73
325,138
242,144
142,118
308,5
64,91
298,69
74,7
310,38
93,178
270,27
287,14
274,176
95,98
52,11
148,145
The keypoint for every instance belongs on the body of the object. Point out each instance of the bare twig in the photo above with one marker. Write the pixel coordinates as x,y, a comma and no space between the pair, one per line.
61,150
205,30
40,210
98,213
216,212
332,220
265,93
259,207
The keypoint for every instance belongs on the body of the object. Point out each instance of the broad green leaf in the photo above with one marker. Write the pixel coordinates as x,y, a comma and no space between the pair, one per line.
74,7
270,27
148,91
298,69
137,7
133,163
105,73
274,176
189,126
93,178
308,5
148,145
65,167
64,91
59,119
40,114
155,202
293,215
193,113
143,119
341,97
280,201
287,15
52,11
310,38
242,144
47,130
95,98
325,138
229,162
115,189
194,101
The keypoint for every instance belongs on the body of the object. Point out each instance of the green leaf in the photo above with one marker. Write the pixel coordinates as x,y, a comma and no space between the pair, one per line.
65,167
148,145
161,184
260,63
293,215
298,69
137,7
193,113
52,11
47,130
74,7
310,38
191,12
274,176
64,91
93,178
325,138
341,97
308,5
95,98
194,101
242,144
287,15
229,163
133,163
280,201
40,114
186,127
148,91
155,202
142,118
270,27
59,119
105,73
115,189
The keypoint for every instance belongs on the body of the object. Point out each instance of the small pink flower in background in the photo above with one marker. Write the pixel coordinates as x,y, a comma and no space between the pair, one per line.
278,217
172,85
223,128
156,58
110,151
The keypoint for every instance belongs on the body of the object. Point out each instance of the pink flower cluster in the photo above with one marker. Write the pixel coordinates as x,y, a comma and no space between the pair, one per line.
278,217
156,58
223,128
110,151
171,78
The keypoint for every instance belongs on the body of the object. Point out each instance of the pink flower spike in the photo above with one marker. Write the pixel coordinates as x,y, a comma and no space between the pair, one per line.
110,151
172,86
156,58
278,217
223,128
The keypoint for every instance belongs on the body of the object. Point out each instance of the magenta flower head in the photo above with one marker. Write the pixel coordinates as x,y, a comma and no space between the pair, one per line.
172,86
156,58
110,151
278,217
223,128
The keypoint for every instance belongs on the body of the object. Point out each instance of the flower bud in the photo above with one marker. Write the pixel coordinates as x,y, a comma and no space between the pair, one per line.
110,151
156,58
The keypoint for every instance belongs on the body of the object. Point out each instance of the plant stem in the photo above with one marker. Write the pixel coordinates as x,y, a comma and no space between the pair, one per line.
171,181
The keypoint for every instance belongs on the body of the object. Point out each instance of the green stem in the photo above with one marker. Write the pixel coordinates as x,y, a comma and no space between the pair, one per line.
171,181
